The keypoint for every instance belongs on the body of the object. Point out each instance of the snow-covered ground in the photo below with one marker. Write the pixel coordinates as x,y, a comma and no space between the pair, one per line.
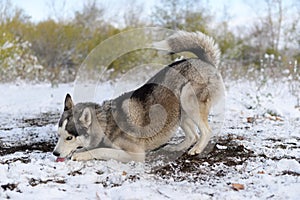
257,155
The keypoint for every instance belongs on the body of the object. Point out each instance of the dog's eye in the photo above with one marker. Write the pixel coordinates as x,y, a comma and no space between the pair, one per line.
69,138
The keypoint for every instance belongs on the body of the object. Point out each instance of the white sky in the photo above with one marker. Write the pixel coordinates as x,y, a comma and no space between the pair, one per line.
239,10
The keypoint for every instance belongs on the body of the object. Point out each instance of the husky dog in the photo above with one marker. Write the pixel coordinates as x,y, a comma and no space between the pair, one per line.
124,128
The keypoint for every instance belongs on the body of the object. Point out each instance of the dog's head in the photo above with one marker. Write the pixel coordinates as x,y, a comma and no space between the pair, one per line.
74,129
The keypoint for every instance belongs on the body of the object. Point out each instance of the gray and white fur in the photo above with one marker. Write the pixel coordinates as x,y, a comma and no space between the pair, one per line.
124,128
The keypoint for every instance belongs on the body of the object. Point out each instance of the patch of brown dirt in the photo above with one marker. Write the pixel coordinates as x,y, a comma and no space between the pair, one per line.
42,146
226,151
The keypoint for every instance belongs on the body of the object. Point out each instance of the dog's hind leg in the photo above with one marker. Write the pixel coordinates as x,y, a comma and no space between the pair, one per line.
191,136
206,132
109,153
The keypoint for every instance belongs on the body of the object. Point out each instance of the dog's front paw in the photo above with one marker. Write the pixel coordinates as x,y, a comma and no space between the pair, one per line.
82,156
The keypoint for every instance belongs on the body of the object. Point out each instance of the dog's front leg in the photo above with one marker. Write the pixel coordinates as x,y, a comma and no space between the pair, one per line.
82,156
107,154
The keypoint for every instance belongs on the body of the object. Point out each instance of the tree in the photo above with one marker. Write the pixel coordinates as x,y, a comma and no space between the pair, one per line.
229,43
189,15
273,23
132,15
275,31
17,60
58,10
91,16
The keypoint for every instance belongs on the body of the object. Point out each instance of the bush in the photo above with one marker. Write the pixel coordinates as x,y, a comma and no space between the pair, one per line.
17,60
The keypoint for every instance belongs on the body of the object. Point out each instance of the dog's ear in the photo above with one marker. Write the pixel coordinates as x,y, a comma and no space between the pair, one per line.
68,102
86,118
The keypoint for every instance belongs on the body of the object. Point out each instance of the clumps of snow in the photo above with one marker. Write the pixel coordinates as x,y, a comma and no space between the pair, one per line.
7,45
289,165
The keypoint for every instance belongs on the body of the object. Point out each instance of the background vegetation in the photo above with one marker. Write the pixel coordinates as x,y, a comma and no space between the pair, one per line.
53,49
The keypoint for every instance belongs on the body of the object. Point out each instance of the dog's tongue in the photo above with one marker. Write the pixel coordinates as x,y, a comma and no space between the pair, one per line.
60,159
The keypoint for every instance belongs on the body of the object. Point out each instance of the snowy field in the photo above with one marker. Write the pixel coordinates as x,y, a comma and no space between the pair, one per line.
257,154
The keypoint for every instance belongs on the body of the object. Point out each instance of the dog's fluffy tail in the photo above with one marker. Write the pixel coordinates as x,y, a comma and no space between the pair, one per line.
203,46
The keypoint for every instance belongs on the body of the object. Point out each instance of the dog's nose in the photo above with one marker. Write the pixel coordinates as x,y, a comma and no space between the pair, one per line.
56,153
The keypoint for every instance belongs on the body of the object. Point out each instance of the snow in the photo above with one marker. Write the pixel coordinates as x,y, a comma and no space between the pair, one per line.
26,99
7,45
271,172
